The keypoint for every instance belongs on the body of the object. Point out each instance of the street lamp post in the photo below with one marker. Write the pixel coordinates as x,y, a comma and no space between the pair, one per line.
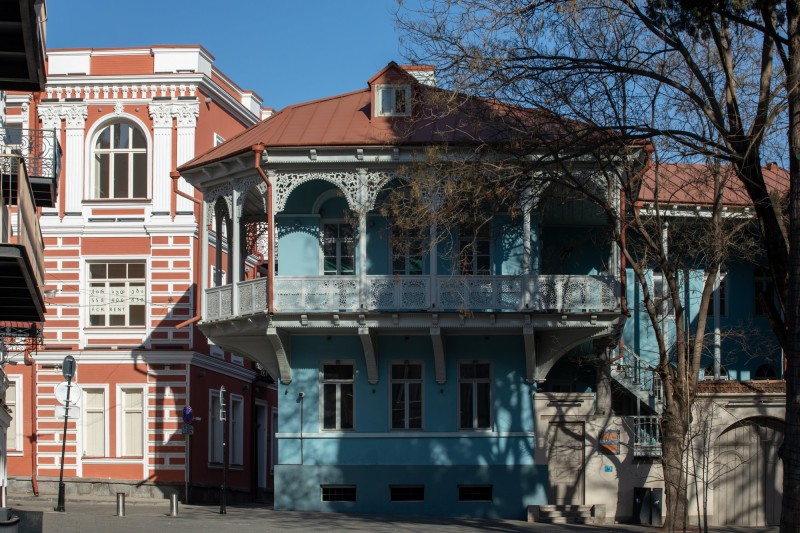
68,370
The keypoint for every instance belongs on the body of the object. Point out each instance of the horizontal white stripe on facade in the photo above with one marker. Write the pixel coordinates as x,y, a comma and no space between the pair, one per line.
408,435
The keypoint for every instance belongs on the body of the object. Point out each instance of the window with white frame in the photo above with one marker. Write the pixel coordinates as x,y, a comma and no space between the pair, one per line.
117,294
392,100
218,277
407,257
13,441
719,296
218,139
661,295
406,395
94,422
132,423
337,395
236,430
119,153
338,247
474,395
215,429
475,257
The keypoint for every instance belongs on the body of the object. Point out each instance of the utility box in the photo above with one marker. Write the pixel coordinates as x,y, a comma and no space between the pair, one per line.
647,506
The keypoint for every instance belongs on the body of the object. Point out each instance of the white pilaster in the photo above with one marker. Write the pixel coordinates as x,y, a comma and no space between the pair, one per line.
74,173
235,250
186,115
204,266
51,120
161,113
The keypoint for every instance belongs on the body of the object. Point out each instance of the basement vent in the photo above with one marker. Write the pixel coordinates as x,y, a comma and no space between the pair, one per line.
338,493
407,493
475,493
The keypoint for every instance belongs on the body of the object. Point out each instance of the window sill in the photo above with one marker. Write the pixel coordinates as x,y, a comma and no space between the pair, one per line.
115,201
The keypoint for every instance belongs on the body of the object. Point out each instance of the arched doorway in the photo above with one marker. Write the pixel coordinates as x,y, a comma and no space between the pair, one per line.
748,475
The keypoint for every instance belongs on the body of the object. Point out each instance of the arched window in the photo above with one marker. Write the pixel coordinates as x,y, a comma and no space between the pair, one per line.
120,162
765,372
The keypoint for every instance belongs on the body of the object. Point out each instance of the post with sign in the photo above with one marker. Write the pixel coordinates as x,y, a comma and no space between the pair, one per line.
188,431
223,416
68,371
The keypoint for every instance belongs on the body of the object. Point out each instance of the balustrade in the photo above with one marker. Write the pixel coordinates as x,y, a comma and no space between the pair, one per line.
418,293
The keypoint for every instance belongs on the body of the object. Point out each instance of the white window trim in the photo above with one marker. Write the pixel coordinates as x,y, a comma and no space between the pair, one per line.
82,422
238,447
321,395
213,393
16,421
490,380
379,88
406,381
339,221
91,135
85,296
217,139
120,420
473,244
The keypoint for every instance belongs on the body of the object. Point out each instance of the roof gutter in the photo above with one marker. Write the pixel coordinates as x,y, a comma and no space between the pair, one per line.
258,151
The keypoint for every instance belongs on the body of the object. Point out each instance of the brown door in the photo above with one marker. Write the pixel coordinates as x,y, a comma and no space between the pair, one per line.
566,462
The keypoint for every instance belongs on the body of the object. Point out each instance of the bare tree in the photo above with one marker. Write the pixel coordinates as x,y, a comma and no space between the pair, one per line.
606,79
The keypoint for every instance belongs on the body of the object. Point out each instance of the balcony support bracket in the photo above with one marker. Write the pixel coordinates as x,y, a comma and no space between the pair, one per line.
281,345
438,355
368,342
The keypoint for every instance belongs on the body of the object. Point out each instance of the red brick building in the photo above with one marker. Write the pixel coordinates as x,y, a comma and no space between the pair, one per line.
122,265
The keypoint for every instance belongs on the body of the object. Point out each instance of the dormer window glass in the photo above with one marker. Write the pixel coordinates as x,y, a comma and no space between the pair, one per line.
393,100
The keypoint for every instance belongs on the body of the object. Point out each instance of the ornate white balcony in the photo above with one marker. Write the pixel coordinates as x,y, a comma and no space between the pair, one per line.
555,293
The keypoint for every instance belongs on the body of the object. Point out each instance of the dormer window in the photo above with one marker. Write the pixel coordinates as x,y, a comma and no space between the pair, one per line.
393,100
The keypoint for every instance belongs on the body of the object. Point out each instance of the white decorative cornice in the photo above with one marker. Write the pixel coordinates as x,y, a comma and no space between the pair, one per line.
161,113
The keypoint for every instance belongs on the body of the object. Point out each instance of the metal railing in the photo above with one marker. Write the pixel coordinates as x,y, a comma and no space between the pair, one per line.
646,436
39,149
417,293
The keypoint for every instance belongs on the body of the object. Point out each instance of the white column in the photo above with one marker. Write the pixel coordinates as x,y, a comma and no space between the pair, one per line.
433,263
51,120
73,188
717,331
161,192
203,259
235,249
362,237
526,247
186,114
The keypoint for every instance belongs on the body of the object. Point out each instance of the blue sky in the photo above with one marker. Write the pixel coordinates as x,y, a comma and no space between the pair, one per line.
288,51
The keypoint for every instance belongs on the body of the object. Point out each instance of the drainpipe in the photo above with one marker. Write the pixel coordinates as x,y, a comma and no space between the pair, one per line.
34,456
258,150
197,314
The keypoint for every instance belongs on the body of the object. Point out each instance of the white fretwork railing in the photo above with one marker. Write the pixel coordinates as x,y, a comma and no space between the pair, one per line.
418,293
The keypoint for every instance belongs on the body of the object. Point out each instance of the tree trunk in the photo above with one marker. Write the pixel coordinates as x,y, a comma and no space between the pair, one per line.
674,431
790,517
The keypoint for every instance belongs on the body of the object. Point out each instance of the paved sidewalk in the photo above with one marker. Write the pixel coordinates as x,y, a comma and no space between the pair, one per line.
95,515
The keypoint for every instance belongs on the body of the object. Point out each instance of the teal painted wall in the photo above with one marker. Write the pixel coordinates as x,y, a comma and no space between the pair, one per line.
440,456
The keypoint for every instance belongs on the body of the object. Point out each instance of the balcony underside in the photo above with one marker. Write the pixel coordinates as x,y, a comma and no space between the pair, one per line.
20,297
21,47
267,339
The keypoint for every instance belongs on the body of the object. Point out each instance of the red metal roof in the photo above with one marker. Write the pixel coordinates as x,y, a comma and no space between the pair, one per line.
692,184
347,120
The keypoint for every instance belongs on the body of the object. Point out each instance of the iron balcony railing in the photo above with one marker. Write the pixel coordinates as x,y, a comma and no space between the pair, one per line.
29,232
39,149
416,293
